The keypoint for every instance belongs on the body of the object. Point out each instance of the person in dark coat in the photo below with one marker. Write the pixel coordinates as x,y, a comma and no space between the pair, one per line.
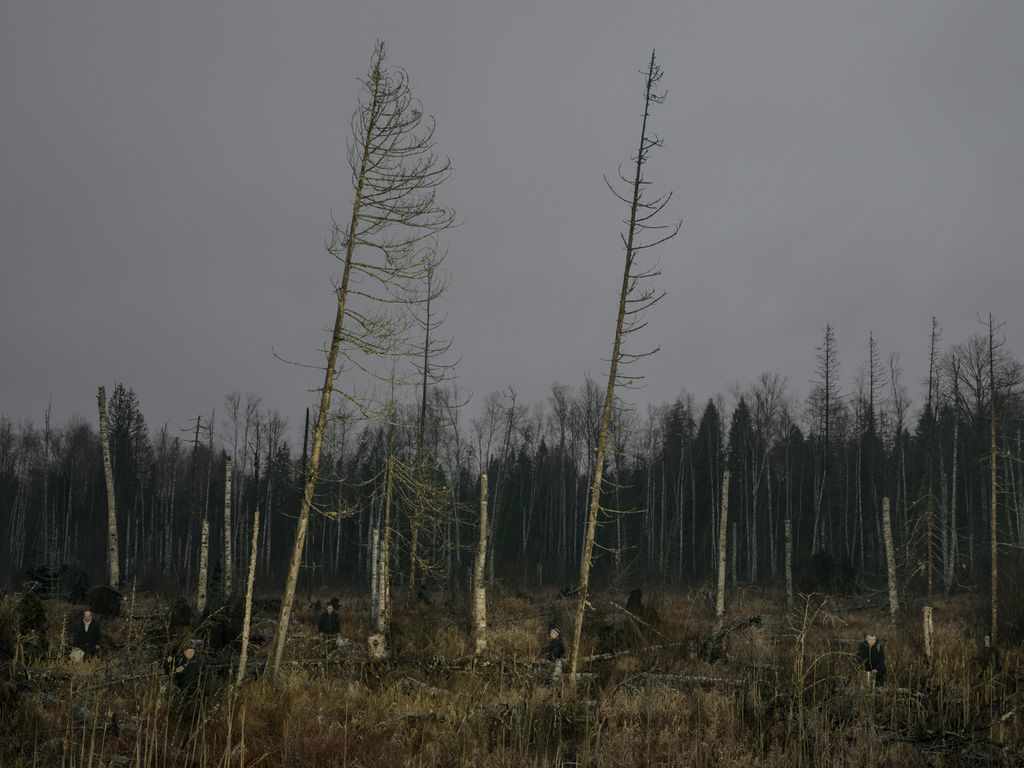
184,668
555,652
871,656
330,622
556,647
87,635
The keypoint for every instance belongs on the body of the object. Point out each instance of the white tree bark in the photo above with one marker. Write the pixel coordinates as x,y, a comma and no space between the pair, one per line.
890,559
384,562
228,562
250,580
951,563
204,555
113,564
479,617
723,541
375,576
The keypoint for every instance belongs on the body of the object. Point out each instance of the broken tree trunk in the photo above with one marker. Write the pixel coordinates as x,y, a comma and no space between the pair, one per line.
723,542
250,580
113,566
890,559
479,587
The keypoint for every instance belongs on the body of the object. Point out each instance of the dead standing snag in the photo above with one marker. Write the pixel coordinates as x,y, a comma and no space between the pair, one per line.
635,299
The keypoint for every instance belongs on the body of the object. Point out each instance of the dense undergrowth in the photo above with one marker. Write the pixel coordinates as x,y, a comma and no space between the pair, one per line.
768,688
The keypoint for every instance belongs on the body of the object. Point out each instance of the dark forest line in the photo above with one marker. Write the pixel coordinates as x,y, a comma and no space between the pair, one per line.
824,463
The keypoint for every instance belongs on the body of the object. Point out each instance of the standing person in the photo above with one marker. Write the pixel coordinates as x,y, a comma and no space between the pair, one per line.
871,657
330,622
87,635
555,652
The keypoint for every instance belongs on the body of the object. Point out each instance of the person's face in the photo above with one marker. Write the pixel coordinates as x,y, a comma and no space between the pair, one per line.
870,640
189,653
552,634
330,608
87,616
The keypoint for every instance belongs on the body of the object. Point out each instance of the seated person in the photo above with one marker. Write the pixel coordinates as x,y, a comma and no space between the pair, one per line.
330,622
87,635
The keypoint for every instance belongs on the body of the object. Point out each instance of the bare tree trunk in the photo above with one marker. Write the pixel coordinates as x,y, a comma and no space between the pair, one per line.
928,628
890,559
789,564
479,617
723,541
374,575
953,554
250,580
632,303
993,456
395,177
384,564
204,554
113,565
732,553
228,563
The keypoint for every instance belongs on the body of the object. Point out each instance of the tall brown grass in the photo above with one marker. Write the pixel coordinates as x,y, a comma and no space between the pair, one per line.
781,692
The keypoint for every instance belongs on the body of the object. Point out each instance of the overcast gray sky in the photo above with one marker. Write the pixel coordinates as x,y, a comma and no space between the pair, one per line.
167,173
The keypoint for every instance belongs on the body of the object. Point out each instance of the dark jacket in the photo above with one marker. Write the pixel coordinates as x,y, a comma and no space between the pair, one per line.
88,639
556,649
872,657
184,672
330,623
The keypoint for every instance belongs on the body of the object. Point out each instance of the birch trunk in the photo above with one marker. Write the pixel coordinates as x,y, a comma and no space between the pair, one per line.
228,563
479,616
375,576
732,554
113,565
250,580
384,563
723,541
204,554
890,559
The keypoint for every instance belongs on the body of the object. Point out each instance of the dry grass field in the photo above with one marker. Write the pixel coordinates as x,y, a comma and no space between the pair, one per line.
770,688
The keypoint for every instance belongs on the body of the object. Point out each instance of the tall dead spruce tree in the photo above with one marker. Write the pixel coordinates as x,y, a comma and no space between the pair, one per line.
635,298
395,177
